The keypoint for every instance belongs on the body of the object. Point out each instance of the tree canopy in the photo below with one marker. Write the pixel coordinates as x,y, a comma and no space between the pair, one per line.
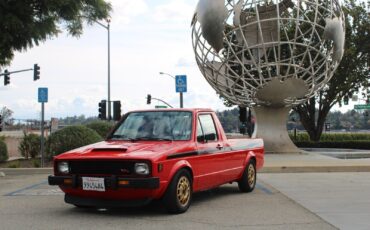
6,115
26,23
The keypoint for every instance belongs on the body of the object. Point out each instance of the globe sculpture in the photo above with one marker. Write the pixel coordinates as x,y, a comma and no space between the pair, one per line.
270,55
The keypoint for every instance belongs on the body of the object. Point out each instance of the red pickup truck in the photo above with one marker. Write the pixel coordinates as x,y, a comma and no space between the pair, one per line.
157,154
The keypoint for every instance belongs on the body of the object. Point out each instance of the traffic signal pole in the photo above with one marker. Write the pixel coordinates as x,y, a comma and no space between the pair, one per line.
17,71
149,99
36,70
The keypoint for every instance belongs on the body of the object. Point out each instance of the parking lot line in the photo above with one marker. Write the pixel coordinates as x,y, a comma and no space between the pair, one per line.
19,191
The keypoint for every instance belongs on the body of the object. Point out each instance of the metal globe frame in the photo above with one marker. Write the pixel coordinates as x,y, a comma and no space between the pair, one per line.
275,56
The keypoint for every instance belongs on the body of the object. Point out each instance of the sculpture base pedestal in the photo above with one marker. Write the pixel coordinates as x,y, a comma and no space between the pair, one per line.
271,127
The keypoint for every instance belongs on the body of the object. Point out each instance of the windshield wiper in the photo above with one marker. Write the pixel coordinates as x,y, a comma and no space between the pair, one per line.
162,139
141,139
121,137
151,139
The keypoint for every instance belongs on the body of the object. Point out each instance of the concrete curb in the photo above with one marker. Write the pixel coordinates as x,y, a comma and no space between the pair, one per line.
25,171
314,169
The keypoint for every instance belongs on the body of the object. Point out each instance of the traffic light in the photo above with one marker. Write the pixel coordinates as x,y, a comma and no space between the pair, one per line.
116,110
6,77
149,99
242,114
36,72
345,100
103,110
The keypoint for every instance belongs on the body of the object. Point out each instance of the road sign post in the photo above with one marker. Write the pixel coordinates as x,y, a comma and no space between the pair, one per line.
42,98
181,87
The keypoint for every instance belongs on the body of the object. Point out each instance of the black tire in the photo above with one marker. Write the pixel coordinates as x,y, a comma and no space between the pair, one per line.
248,180
179,193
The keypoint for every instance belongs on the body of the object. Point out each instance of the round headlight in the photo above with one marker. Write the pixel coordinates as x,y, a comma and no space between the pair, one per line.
63,167
142,168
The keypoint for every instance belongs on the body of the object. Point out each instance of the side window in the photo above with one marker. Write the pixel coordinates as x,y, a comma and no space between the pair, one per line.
206,127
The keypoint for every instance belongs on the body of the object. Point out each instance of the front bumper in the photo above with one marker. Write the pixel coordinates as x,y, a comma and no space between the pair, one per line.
112,182
104,203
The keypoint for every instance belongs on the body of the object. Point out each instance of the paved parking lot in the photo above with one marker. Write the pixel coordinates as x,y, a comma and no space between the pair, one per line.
342,199
27,202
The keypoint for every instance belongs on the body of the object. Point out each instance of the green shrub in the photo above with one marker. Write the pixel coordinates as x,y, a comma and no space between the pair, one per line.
3,151
14,164
30,145
70,138
300,137
326,137
357,144
36,163
344,137
101,127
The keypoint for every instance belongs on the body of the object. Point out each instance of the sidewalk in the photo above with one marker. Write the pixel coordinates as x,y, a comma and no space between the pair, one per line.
314,160
318,160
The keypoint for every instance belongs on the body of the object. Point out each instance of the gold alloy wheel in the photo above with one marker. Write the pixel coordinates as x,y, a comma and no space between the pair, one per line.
183,191
251,175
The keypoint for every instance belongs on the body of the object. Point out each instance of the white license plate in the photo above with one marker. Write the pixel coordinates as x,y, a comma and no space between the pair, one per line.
93,184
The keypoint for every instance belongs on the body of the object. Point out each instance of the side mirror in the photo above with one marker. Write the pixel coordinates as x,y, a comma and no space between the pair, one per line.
200,138
210,137
207,137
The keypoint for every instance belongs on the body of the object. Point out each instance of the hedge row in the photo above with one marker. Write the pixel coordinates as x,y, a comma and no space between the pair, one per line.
101,127
357,144
30,145
64,140
70,138
3,151
336,137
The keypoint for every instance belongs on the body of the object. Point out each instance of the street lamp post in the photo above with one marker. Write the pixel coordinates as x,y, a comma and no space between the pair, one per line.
108,29
181,94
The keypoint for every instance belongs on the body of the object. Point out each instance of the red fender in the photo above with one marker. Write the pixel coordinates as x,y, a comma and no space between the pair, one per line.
175,168
178,166
250,155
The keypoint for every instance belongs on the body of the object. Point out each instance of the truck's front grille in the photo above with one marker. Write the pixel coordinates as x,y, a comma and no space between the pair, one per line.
102,167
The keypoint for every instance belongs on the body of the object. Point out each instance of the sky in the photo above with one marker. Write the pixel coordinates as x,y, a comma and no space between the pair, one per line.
147,37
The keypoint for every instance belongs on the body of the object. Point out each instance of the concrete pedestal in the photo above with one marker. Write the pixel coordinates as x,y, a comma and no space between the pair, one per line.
271,126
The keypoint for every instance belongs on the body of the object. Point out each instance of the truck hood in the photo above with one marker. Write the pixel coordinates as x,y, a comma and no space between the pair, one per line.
124,150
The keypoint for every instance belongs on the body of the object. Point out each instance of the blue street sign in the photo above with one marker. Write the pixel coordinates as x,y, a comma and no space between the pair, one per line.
181,86
43,95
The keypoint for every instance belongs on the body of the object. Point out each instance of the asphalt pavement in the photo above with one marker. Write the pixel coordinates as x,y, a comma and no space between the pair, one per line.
342,199
27,202
331,193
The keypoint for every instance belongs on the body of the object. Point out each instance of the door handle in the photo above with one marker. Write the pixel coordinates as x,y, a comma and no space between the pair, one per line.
219,147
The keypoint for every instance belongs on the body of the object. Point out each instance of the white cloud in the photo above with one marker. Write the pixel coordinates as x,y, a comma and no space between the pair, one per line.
124,11
174,11
185,62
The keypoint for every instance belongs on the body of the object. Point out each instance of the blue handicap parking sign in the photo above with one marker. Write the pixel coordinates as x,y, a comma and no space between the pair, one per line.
181,85
43,95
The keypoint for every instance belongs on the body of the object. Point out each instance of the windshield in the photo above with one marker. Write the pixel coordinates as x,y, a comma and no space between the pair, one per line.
161,125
